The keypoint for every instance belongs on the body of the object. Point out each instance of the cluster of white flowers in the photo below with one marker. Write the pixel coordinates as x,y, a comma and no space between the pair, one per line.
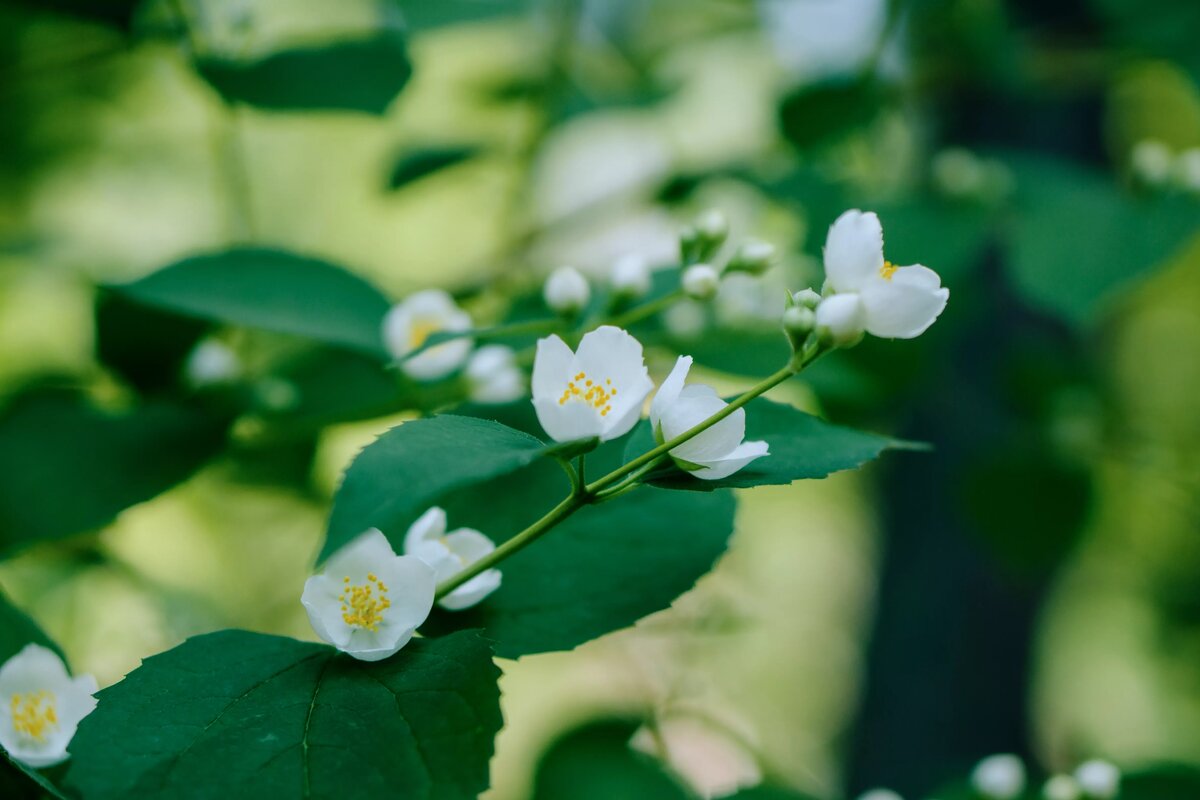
41,705
1154,163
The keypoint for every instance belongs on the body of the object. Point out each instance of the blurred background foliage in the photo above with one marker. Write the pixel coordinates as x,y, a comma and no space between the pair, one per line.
1030,586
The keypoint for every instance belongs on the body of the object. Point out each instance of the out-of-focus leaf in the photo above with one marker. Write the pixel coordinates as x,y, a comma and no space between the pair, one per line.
142,344
1163,782
356,75
595,762
252,716
328,385
948,238
802,446
116,13
819,113
1078,237
418,164
1163,28
69,467
424,15
272,290
768,793
741,352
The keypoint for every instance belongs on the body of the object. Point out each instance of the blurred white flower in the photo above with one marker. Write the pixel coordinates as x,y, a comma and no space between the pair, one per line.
1151,161
999,777
841,319
753,257
594,392
630,276
685,319
1099,780
41,706
1187,169
957,172
210,363
809,298
712,225
700,281
1061,787
369,601
412,321
712,454
880,794
566,291
897,302
493,375
819,38
451,553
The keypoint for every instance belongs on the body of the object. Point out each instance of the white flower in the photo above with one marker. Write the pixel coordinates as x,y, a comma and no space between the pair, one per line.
1151,161
41,706
595,392
1187,168
566,290
879,794
409,323
700,281
451,553
211,362
493,376
368,602
841,319
630,276
1061,787
898,302
712,225
999,777
714,453
1098,779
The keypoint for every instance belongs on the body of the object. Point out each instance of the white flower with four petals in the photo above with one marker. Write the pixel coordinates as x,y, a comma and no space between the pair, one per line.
41,705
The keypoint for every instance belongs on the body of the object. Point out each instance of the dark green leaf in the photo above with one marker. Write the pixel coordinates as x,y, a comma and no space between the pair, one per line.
402,473
243,715
802,446
357,75
768,793
595,762
330,385
820,113
144,345
419,164
1162,782
272,290
70,467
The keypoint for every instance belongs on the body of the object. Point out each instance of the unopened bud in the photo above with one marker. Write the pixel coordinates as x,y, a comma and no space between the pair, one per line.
1061,787
210,363
808,298
1151,162
630,276
1098,779
1187,169
999,777
799,320
841,320
566,291
700,281
712,225
753,257
880,794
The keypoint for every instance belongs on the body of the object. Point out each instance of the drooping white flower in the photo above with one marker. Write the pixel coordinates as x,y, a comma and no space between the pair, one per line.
714,453
999,777
700,281
1099,780
493,375
630,276
566,291
41,706
210,363
451,553
897,302
596,391
369,601
412,321
1061,787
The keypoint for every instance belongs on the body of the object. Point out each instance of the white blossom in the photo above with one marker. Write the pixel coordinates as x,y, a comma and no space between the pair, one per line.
1099,780
1061,787
714,453
566,290
630,276
999,777
596,391
451,553
1151,161
700,281
493,375
841,319
411,322
41,705
1187,169
879,794
369,602
211,362
897,302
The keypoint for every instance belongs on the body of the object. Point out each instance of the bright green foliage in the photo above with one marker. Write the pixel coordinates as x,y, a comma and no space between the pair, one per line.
406,470
243,715
272,290
70,467
802,447
355,75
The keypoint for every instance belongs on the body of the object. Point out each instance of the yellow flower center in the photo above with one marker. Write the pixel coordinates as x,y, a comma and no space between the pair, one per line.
34,715
364,604
420,330
591,392
887,270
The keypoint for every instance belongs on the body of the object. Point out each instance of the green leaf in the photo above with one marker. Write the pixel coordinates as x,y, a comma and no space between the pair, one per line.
601,570
764,792
272,290
417,164
144,345
424,15
243,715
1079,237
69,467
396,478
802,446
819,113
595,762
355,75
331,385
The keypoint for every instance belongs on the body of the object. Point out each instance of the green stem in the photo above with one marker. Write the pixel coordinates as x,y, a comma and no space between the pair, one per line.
647,310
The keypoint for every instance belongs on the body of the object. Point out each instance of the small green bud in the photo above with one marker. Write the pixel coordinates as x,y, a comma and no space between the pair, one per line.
752,257
809,298
700,281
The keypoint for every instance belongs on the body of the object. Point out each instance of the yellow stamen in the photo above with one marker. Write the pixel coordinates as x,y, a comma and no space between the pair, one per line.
361,606
887,270
421,330
34,715
597,396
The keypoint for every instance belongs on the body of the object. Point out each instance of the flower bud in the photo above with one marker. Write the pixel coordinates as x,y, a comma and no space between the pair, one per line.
799,321
210,363
700,281
1098,779
841,320
999,777
879,794
566,291
809,298
712,226
1061,787
1187,169
1151,162
958,172
630,276
753,257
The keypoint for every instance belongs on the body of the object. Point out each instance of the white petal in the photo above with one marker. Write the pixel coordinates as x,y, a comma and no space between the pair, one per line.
321,601
34,668
627,410
853,250
469,545
361,555
503,387
439,360
669,391
368,646
411,585
742,455
906,305
472,591
429,527
844,316
569,421
551,368
695,405
611,353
